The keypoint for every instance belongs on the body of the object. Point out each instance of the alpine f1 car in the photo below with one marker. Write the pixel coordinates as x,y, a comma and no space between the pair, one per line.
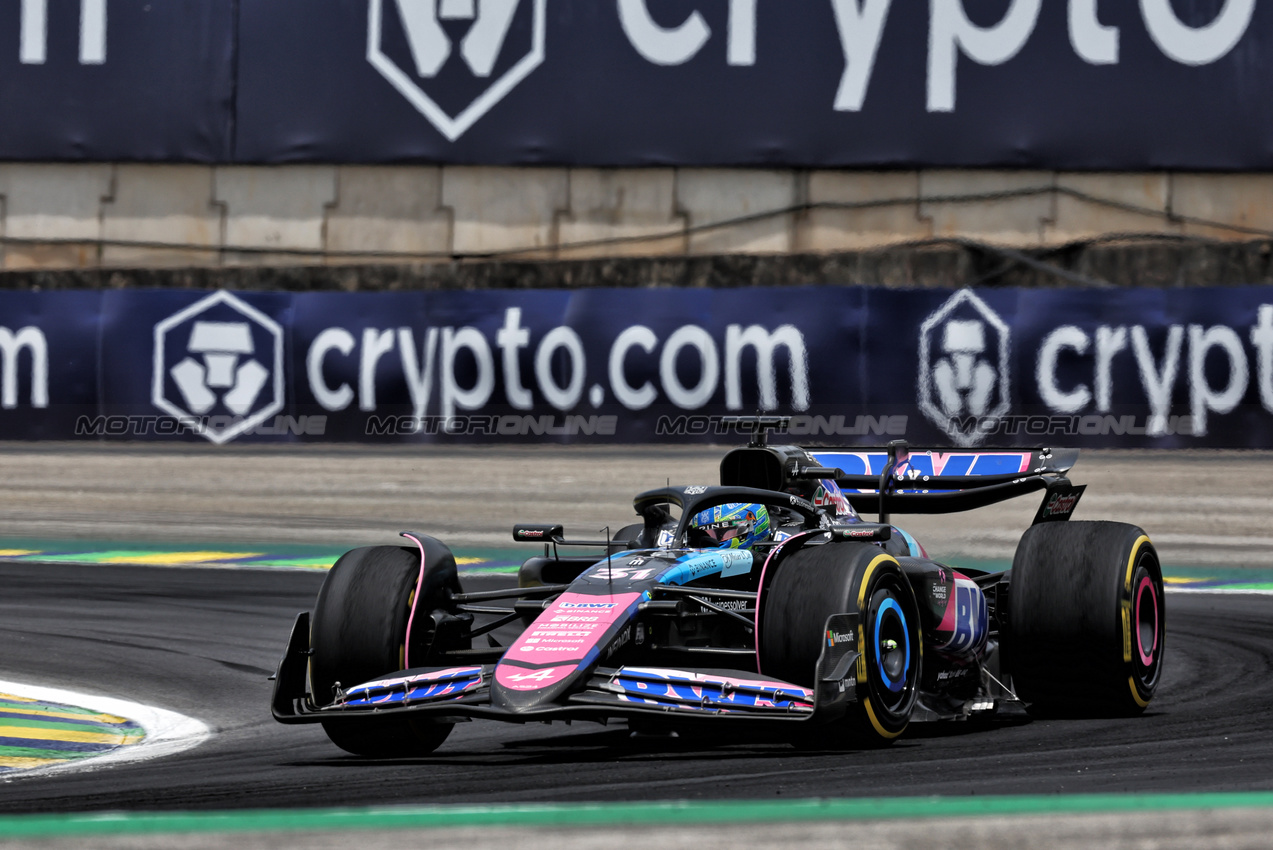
764,600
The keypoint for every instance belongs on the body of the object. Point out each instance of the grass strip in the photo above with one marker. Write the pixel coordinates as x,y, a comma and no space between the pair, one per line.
610,814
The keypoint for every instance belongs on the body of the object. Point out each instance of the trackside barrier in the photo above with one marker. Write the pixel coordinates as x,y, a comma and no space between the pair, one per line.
850,365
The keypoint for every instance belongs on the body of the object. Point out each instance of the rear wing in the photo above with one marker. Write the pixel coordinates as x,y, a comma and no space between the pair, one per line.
901,479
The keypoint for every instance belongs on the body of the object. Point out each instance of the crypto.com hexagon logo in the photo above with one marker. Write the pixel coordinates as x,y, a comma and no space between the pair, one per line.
430,47
963,368
219,363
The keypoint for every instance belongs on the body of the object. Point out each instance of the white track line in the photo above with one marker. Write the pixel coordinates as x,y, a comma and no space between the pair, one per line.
167,732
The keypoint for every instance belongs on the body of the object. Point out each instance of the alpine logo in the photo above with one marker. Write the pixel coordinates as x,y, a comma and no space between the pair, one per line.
219,365
963,368
533,676
454,60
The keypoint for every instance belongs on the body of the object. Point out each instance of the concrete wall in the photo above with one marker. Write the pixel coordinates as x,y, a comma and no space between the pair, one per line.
163,216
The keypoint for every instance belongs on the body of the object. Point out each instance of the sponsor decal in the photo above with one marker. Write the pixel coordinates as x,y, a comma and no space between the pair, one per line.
798,502
653,686
432,362
735,562
966,621
619,642
450,683
859,533
1060,502
26,345
1213,362
835,638
33,45
964,350
933,463
1059,505
219,364
952,33
521,679
831,497
489,56
725,562
560,633
730,604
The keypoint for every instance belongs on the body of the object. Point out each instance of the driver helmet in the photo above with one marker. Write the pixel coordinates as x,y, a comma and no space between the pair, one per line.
737,525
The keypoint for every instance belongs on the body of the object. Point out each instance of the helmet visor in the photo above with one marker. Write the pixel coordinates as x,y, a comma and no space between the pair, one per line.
723,532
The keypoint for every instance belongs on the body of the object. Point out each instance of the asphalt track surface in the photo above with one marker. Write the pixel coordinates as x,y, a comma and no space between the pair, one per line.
202,642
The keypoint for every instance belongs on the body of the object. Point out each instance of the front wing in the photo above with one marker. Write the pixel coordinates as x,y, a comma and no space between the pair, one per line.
628,691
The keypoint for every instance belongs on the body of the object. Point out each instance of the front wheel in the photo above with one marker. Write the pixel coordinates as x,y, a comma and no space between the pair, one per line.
817,582
359,632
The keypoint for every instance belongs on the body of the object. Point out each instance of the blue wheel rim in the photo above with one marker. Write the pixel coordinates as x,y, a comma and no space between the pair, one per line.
887,605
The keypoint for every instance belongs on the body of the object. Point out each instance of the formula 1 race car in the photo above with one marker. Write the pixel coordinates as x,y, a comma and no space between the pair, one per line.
764,600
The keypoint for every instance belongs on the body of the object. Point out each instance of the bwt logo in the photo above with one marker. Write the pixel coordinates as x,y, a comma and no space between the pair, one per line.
500,43
220,362
963,367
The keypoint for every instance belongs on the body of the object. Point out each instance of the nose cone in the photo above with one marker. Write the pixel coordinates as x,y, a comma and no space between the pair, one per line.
556,654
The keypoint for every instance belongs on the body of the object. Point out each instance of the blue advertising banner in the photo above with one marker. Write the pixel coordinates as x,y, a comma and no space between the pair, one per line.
1070,84
849,365
48,363
117,80
1021,83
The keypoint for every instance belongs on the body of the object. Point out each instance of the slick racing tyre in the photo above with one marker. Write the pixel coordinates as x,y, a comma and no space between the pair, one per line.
1086,619
359,632
814,583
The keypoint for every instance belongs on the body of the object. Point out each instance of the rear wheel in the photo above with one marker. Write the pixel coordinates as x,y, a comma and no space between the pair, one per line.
837,578
1086,619
359,632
